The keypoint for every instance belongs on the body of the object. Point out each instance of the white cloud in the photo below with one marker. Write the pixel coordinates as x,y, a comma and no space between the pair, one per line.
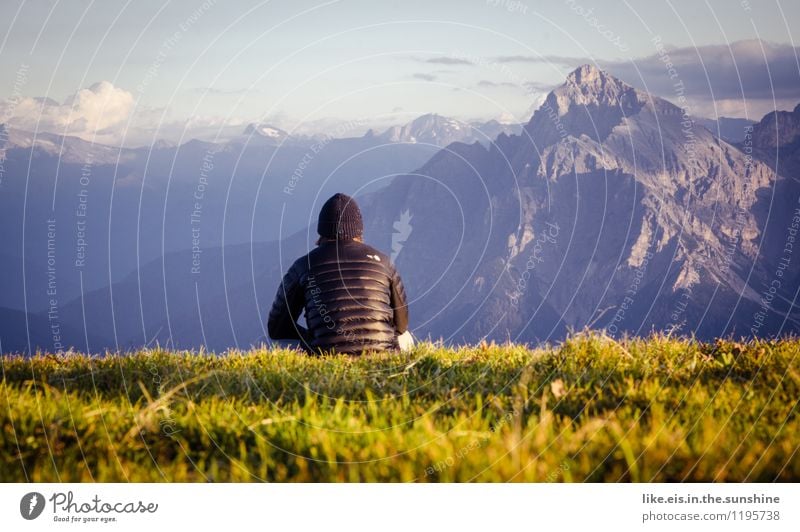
88,112
109,115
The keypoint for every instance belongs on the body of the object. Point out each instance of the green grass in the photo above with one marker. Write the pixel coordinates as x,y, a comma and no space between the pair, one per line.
590,409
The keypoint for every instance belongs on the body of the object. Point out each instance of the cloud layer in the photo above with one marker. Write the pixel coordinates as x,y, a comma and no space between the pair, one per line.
744,78
749,77
88,112
107,114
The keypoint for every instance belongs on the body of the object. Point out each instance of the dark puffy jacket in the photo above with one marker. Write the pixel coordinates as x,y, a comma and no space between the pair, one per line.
353,299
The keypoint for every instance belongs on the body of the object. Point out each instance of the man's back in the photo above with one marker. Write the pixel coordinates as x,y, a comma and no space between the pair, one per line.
352,295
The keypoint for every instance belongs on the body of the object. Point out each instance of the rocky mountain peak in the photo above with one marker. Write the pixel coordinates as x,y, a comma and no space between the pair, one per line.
588,85
587,74
590,102
430,129
613,201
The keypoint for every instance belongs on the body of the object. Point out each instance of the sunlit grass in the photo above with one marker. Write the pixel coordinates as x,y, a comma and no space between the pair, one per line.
591,409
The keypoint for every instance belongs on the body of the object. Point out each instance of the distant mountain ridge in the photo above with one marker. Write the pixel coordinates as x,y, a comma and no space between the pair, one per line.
611,208
778,128
442,131
131,206
432,129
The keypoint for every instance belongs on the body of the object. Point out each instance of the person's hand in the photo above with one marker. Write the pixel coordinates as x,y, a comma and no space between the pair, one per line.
406,341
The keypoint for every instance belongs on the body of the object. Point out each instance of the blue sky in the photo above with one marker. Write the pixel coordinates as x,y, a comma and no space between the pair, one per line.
196,69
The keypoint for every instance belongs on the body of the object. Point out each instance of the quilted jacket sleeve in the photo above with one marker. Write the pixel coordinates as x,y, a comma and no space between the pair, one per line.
288,304
399,304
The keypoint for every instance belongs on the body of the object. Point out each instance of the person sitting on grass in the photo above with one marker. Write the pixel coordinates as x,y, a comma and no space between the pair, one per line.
353,297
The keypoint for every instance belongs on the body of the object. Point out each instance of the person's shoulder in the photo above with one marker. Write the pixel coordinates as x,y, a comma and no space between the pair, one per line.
303,258
300,264
376,254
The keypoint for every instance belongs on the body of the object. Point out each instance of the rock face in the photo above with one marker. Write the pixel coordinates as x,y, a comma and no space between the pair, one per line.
778,128
611,209
776,141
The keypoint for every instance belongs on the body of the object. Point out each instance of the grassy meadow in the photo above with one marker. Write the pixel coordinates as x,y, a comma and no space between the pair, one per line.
590,409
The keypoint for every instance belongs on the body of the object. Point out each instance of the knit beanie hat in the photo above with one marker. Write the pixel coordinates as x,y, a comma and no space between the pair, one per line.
340,218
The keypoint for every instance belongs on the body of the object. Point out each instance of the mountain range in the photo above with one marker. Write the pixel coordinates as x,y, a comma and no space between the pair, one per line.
442,131
611,208
430,129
